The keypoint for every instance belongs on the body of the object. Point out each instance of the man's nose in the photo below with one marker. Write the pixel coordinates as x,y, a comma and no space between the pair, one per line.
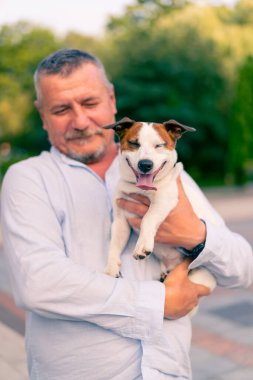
80,120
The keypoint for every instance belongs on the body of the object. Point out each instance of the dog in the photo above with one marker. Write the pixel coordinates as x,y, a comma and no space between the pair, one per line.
148,166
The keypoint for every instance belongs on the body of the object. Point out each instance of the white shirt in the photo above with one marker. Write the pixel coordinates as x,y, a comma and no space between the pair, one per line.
82,324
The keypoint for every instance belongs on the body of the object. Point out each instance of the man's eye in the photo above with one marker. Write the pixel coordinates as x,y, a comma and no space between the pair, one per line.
90,105
134,144
60,111
162,145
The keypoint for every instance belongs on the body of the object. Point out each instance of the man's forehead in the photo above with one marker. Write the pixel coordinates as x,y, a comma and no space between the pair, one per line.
86,77
77,84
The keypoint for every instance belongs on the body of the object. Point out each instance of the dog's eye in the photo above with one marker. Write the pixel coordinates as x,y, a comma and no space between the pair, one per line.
133,144
162,145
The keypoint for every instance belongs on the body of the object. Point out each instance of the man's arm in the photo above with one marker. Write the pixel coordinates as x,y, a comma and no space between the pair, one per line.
226,254
47,282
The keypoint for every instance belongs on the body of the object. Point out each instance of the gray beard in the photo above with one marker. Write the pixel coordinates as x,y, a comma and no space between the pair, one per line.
88,158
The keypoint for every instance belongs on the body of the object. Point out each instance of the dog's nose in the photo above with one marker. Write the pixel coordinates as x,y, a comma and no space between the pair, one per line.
145,165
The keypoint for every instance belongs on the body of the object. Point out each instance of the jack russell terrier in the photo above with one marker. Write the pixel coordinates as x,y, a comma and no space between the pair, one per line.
148,166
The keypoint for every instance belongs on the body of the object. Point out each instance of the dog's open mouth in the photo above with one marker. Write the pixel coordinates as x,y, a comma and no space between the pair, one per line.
145,181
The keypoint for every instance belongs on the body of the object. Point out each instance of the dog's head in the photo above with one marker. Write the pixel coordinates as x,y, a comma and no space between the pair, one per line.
147,149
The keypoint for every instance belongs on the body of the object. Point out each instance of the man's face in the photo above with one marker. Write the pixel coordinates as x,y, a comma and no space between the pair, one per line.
74,109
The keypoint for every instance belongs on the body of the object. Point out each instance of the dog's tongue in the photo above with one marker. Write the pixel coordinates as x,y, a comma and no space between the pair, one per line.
145,182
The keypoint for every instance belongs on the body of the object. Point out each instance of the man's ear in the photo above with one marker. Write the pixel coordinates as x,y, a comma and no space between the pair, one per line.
39,108
113,100
121,126
175,129
36,104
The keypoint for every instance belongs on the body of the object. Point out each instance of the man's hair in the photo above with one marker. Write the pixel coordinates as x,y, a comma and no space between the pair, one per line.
64,62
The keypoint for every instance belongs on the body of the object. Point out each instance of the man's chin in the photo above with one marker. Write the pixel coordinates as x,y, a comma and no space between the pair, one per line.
87,157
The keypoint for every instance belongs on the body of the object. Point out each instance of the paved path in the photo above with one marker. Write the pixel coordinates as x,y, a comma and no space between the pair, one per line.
222,345
12,355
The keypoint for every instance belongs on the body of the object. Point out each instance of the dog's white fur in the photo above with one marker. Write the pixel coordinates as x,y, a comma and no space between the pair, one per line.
150,145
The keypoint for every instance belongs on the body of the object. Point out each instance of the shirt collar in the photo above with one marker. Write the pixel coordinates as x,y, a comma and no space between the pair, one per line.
65,159
71,162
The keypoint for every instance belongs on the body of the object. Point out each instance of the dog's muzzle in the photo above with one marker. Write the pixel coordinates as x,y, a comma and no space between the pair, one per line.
145,179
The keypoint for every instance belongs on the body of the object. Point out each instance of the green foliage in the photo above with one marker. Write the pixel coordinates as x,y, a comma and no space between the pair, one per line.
156,79
22,47
241,135
181,63
167,59
243,14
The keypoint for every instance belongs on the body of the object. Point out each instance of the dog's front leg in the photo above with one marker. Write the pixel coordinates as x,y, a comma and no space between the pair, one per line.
119,236
151,221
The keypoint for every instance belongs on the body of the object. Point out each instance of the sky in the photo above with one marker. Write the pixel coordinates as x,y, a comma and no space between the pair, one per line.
83,16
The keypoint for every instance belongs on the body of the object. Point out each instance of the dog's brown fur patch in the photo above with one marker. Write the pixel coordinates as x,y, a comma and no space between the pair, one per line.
130,134
165,135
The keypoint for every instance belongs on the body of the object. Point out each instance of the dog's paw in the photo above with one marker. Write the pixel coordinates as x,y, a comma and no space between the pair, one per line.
163,276
113,270
144,247
142,250
141,255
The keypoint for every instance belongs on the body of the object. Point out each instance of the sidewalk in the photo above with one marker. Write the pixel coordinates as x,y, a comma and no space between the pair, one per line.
12,355
222,344
12,328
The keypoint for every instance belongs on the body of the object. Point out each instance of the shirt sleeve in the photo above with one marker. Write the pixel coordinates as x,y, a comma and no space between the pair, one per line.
47,282
227,255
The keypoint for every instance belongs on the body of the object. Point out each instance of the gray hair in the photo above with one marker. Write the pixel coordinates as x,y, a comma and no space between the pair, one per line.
64,62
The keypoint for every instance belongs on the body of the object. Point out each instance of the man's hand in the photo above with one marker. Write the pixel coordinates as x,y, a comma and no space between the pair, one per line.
181,295
182,227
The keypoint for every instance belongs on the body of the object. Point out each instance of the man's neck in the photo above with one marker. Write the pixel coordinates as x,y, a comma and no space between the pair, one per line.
101,167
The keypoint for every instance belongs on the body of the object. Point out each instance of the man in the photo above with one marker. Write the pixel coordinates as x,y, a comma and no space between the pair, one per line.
56,218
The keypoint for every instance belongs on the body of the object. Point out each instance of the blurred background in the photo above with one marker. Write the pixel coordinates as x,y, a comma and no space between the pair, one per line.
187,60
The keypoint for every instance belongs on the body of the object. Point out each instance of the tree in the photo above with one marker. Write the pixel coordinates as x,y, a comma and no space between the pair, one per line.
241,136
178,59
172,69
22,46
167,59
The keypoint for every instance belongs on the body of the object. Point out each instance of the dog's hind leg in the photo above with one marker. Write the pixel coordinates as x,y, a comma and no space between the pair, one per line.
120,235
204,277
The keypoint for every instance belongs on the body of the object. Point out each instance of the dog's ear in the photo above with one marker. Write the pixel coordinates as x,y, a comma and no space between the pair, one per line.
121,125
175,129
